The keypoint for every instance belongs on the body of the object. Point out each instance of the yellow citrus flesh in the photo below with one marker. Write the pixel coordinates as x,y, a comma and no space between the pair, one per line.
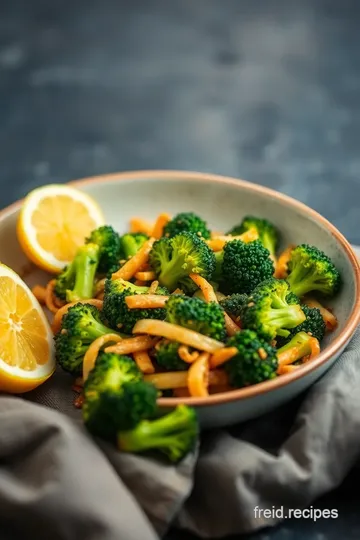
26,341
54,222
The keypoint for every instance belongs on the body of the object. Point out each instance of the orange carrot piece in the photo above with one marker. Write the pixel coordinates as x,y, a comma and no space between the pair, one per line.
288,357
198,376
146,301
139,225
40,293
145,276
315,348
143,362
283,369
221,356
178,333
132,344
49,296
217,243
179,379
93,351
160,223
56,324
186,355
206,288
134,264
282,262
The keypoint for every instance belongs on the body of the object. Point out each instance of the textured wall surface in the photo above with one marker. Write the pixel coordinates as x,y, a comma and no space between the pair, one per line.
263,90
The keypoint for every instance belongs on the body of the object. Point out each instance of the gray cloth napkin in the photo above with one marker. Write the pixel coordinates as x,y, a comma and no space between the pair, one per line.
57,480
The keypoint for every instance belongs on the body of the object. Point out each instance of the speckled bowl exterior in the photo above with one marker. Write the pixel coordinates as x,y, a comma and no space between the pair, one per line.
222,202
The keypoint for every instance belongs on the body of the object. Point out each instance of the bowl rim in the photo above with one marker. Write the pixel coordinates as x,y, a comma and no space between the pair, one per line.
265,387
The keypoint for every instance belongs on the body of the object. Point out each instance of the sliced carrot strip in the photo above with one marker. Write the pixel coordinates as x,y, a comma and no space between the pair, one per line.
217,243
145,276
139,225
133,344
143,362
282,262
198,376
186,355
93,351
146,301
288,357
315,348
49,296
134,264
206,288
283,369
56,324
222,355
177,333
179,379
40,293
160,223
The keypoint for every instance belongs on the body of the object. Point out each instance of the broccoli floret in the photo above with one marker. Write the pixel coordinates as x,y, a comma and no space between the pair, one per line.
310,270
116,311
314,325
242,266
131,243
255,362
80,326
207,318
267,311
173,259
108,241
174,434
268,233
292,298
76,281
301,345
167,356
234,304
116,397
187,222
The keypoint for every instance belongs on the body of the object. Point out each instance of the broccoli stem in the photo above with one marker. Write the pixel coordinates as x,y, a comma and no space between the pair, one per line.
302,280
300,342
172,273
85,263
288,317
172,434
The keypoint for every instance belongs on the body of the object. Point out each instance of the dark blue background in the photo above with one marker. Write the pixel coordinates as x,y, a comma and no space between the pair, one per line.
266,90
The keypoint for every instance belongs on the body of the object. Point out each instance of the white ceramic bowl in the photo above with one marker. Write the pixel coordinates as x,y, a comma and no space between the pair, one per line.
222,202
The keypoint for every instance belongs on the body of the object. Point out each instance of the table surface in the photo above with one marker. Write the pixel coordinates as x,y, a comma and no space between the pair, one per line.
266,91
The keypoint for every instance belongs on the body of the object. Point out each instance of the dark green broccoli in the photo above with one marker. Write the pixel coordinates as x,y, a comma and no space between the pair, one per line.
173,259
241,266
167,356
187,222
255,362
116,311
310,270
207,318
234,304
267,311
301,345
108,241
76,281
116,397
314,325
268,233
80,326
131,243
174,434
